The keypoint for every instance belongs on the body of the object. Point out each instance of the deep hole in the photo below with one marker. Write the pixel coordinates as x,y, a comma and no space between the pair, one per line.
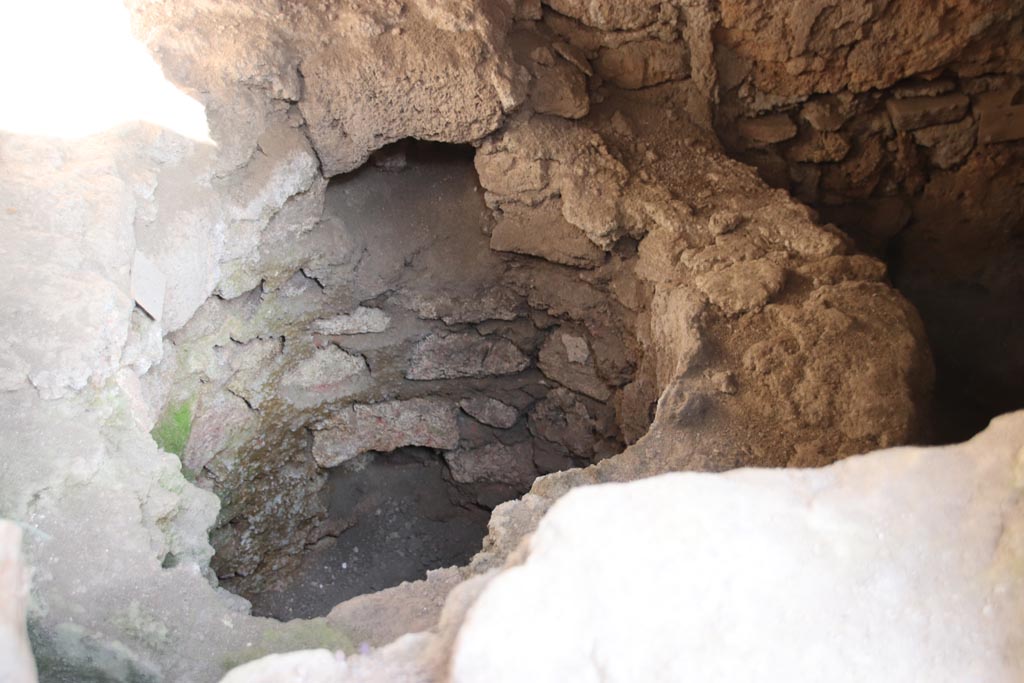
397,515
408,237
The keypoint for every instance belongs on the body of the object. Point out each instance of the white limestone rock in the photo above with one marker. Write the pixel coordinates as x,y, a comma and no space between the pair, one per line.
66,254
902,565
148,285
180,226
271,202
105,508
144,346
254,365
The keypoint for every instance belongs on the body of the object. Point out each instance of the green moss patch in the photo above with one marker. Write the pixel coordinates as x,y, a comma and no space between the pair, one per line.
173,428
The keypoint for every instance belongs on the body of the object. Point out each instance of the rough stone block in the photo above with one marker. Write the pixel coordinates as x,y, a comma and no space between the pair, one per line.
363,320
819,148
917,112
493,303
254,364
766,130
490,411
383,427
349,114
327,375
574,56
642,64
494,463
559,89
823,114
448,356
610,15
923,88
222,423
744,286
566,358
543,231
1001,124
948,144
562,418
504,173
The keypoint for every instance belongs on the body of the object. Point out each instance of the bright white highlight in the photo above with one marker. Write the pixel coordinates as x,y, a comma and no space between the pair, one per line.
71,68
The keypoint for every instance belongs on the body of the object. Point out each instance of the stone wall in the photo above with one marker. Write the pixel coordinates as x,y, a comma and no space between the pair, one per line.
903,126
402,328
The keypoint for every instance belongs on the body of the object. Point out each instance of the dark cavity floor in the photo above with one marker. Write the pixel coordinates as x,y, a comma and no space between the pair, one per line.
405,519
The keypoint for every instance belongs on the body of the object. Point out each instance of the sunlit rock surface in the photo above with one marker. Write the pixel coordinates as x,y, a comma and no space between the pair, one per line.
901,565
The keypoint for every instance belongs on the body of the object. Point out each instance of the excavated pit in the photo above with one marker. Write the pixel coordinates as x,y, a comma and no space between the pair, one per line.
360,420
349,355
397,515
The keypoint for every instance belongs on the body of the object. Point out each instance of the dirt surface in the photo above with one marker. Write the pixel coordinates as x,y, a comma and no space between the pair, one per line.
402,518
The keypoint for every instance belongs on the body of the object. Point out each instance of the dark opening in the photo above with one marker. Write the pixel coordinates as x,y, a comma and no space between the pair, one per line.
450,322
396,515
